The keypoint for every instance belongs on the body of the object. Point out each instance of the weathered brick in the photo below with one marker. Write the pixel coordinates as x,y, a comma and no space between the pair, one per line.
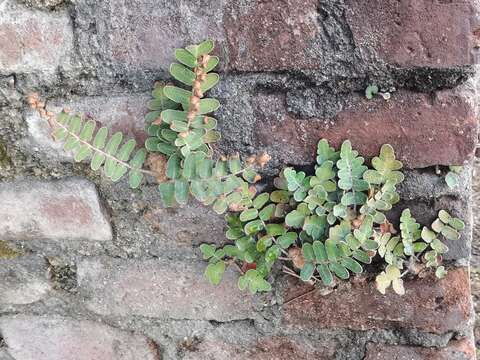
57,210
189,226
160,288
119,113
455,350
423,130
142,34
430,305
55,338
24,280
275,35
412,33
32,41
266,348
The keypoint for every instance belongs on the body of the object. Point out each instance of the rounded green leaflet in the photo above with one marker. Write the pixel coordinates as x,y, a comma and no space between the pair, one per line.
87,131
452,179
325,274
168,135
253,227
234,165
339,270
351,265
220,206
248,214
168,116
177,94
75,124
173,167
164,148
214,272
280,196
307,251
295,219
167,193
212,63
208,105
233,234
118,172
126,150
97,161
185,57
207,250
444,216
159,94
286,240
83,152
62,117
210,81
182,74
319,251
152,116
71,144
135,178
181,191
59,134
450,233
307,271
189,168
205,47
267,212
260,200
331,249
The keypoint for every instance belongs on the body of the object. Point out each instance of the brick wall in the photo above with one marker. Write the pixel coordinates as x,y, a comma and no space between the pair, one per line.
92,270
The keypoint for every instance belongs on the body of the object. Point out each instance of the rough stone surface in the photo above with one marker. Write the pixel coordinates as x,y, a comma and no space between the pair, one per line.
41,338
24,280
456,350
155,288
428,305
66,210
417,125
32,40
270,348
188,226
403,33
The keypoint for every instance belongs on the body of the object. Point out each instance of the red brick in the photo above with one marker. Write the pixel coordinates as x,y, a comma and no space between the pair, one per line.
455,350
266,348
423,130
161,289
62,210
119,113
430,305
142,34
189,226
33,40
55,338
272,35
411,33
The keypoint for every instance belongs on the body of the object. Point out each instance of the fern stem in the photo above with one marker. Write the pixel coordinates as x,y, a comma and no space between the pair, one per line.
127,165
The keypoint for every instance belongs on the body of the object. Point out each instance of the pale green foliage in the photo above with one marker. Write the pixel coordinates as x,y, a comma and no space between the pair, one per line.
371,91
116,158
323,226
452,177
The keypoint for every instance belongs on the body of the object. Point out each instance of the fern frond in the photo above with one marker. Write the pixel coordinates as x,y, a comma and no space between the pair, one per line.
81,138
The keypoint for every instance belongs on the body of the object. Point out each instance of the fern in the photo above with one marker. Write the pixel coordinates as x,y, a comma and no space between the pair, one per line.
320,227
79,137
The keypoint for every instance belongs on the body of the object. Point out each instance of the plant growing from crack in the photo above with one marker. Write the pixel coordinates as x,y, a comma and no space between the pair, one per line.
318,227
